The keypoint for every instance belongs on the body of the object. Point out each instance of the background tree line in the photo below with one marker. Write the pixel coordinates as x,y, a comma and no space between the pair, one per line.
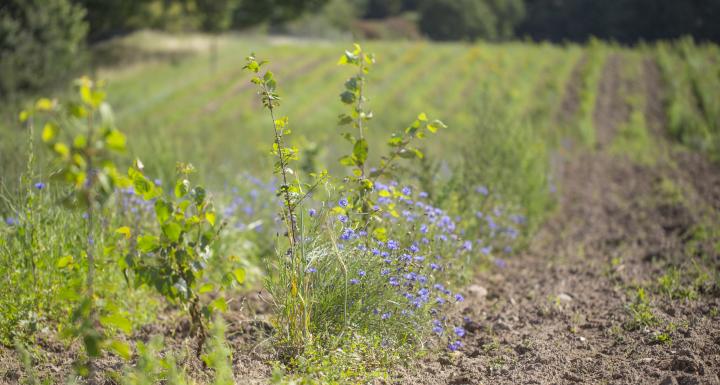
42,40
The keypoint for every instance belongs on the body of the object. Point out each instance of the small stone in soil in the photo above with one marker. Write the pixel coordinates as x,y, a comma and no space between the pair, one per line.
564,298
477,291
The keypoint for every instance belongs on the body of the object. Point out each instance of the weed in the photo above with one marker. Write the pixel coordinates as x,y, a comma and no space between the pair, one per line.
641,311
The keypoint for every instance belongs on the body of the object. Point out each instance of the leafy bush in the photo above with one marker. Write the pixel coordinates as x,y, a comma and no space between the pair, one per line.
41,43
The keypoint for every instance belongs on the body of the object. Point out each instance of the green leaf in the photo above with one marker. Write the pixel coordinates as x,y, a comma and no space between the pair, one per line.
122,349
80,141
124,231
210,216
49,132
163,210
198,193
407,154
141,184
182,187
65,261
352,84
219,304
44,104
206,288
348,160
62,150
147,243
380,234
360,151
395,141
172,230
347,97
116,140
344,119
117,321
239,275
435,125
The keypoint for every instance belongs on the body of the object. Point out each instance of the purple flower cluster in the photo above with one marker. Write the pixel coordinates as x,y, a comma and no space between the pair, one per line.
135,206
252,206
422,247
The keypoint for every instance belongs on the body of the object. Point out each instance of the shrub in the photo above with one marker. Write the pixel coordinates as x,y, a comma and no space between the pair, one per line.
41,43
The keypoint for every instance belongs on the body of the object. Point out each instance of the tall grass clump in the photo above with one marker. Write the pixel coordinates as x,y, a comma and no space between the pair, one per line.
505,169
366,262
691,93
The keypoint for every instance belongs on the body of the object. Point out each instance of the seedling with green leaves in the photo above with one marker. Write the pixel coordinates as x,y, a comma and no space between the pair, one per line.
295,316
171,255
361,180
82,138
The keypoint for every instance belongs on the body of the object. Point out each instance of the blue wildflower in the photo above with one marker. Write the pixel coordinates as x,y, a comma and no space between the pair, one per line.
406,190
455,346
354,281
459,331
311,270
392,245
343,202
459,297
361,273
39,185
467,245
342,218
312,212
482,190
347,234
385,316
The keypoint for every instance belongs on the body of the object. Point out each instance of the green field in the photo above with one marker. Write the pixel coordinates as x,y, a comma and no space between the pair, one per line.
515,113
169,104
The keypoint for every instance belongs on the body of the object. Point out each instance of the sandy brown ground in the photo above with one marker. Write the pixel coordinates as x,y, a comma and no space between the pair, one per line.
559,313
